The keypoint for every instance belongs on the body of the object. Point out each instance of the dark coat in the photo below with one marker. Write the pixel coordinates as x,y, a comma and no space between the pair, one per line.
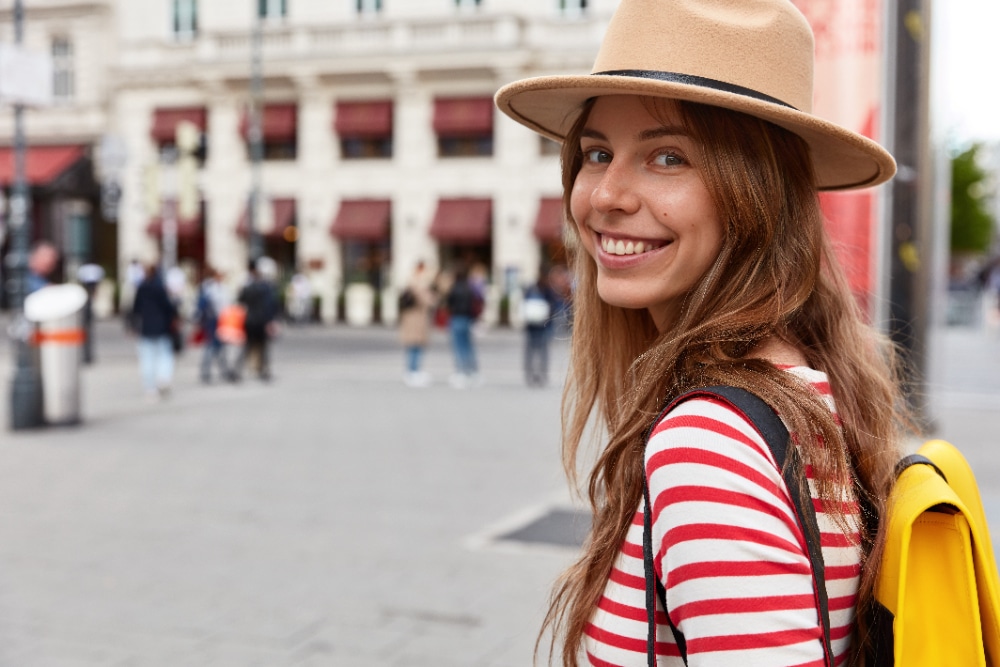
261,303
153,312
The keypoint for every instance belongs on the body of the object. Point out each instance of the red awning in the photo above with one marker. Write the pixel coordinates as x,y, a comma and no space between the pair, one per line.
463,116
362,220
364,120
549,221
277,122
463,221
186,229
42,164
165,121
283,212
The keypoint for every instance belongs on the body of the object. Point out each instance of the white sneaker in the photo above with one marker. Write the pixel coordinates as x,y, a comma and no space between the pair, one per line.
458,381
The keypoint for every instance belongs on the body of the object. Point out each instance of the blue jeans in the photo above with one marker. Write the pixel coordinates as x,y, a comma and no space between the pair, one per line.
460,327
214,351
536,355
414,353
156,362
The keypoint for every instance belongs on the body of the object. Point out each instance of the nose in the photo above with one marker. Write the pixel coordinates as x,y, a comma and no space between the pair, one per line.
615,191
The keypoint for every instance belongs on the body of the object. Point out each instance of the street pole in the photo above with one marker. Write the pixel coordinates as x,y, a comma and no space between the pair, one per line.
168,216
910,234
26,387
256,138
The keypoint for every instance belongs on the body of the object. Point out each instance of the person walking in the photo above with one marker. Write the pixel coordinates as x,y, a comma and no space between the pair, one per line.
415,305
209,303
537,310
153,318
464,304
260,301
691,169
43,260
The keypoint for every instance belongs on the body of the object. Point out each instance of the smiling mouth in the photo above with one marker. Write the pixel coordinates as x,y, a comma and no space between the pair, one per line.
614,246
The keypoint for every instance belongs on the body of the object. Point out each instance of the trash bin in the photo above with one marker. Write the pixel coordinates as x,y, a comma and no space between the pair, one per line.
57,311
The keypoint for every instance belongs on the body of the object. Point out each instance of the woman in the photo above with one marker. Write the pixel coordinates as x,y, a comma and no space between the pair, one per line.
211,300
415,306
464,303
154,317
691,166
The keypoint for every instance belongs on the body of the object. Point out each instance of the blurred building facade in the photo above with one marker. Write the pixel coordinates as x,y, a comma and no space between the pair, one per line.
381,145
60,170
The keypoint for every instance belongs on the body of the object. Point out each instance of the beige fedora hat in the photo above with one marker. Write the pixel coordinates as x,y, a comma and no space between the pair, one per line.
752,56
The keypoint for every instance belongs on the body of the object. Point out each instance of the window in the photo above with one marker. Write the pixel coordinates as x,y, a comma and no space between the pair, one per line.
368,6
272,9
464,126
573,7
163,128
63,82
279,131
364,128
185,19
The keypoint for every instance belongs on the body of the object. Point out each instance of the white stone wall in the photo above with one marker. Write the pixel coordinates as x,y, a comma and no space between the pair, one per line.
129,63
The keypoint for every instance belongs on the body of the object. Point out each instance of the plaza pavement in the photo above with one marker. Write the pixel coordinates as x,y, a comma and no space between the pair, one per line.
332,517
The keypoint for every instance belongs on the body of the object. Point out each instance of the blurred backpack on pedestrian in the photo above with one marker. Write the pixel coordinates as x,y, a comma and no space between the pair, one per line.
407,299
463,299
535,309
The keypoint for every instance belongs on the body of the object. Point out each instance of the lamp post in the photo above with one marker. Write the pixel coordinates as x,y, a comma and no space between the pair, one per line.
26,386
168,206
255,138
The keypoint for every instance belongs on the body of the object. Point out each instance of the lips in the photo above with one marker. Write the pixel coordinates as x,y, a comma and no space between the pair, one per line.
621,247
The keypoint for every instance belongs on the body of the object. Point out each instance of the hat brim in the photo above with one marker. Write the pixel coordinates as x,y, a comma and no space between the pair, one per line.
843,160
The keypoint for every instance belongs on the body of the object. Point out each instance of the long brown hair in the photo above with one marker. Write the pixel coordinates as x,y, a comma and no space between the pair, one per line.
775,277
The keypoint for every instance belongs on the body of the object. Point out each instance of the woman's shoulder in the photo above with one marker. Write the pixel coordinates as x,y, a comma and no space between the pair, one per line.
709,423
705,426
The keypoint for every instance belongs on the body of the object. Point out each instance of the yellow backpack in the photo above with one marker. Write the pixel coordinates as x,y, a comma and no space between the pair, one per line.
938,581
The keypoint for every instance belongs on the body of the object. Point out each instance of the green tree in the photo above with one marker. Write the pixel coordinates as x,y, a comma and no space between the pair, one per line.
971,222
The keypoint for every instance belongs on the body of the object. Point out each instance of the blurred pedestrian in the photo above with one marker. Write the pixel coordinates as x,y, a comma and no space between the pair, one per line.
298,297
153,318
464,304
416,303
692,168
42,262
232,337
537,310
210,302
561,284
260,301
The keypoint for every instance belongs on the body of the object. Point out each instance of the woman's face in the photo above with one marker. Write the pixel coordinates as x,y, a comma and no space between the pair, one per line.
642,209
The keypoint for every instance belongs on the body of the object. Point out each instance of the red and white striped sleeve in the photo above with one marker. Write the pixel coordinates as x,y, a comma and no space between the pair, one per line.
730,553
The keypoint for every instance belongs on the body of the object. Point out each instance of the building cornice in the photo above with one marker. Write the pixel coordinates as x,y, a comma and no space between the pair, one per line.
489,43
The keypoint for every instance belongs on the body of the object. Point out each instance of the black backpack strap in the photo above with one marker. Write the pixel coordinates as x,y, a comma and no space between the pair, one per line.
773,430
915,459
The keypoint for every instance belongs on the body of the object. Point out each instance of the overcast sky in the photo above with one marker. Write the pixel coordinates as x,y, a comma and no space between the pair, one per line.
966,86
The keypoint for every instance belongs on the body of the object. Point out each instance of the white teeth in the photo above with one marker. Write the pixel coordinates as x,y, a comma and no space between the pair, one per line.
619,247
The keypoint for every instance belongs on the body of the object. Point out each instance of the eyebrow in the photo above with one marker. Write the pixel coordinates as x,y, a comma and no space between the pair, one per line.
645,135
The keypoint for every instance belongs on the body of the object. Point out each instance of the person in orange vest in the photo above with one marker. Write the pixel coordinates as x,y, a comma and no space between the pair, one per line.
229,331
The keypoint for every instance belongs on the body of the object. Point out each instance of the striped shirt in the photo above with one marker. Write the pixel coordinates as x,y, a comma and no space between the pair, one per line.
729,551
